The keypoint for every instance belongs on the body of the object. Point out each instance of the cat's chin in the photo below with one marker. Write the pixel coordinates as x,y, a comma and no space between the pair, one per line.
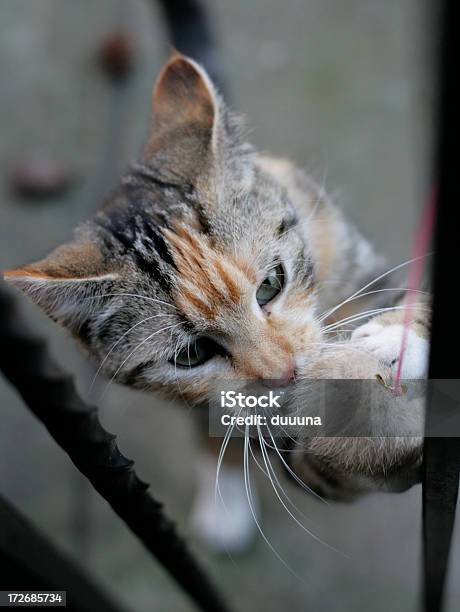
337,470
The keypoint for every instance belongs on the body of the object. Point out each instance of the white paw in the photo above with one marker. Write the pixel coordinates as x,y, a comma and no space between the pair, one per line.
385,341
225,524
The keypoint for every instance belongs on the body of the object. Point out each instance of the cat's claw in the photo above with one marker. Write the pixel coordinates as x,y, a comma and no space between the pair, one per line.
385,341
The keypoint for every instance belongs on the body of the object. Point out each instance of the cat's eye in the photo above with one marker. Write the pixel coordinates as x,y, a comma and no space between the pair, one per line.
196,353
271,286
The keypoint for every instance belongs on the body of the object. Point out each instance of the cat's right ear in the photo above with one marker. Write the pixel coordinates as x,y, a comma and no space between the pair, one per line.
69,285
186,110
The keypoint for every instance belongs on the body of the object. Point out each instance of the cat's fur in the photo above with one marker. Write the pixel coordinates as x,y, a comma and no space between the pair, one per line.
377,443
180,248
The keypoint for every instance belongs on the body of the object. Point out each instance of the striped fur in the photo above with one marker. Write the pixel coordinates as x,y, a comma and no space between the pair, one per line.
180,248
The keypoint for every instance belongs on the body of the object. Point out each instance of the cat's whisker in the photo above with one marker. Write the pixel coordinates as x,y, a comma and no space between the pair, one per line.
367,293
261,468
287,435
338,344
368,313
118,342
364,313
134,351
291,471
389,289
134,295
247,483
271,469
356,293
223,448
220,458
271,473
354,320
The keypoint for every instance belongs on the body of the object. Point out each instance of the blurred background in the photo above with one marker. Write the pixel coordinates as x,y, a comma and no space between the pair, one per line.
342,88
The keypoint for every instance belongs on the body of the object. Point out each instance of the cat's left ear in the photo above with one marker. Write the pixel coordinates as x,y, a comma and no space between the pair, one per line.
186,115
69,284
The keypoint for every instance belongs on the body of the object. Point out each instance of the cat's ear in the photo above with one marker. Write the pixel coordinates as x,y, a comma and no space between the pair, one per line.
69,284
184,96
186,111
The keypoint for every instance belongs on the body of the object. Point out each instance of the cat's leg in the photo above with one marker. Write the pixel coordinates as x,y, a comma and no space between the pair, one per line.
223,519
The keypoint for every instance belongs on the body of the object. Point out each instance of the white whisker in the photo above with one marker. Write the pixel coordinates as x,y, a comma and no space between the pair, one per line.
132,353
356,293
118,341
134,295
261,468
367,314
275,476
294,518
223,448
247,483
293,474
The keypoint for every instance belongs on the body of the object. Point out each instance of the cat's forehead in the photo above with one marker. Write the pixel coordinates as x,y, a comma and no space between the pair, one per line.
214,246
228,211
211,278
216,203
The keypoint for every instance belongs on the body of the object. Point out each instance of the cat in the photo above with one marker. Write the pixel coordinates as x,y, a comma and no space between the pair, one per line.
211,261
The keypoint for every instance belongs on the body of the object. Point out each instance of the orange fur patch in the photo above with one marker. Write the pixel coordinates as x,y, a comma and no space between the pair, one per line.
209,279
70,261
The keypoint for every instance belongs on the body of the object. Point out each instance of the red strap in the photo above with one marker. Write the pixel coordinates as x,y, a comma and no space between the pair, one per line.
419,250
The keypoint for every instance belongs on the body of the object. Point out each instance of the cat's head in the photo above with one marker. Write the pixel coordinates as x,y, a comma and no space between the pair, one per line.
194,270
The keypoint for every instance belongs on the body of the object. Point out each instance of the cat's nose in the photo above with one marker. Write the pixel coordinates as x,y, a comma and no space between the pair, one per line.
282,381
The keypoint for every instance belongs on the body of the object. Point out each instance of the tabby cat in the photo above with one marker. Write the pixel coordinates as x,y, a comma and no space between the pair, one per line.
211,261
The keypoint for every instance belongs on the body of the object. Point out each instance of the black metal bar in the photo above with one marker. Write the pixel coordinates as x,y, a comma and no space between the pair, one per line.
51,396
440,490
442,454
29,562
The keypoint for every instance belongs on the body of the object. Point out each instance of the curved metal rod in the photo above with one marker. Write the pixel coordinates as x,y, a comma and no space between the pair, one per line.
442,436
50,394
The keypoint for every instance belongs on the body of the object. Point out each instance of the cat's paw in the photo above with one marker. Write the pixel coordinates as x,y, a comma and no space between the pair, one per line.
385,341
223,522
